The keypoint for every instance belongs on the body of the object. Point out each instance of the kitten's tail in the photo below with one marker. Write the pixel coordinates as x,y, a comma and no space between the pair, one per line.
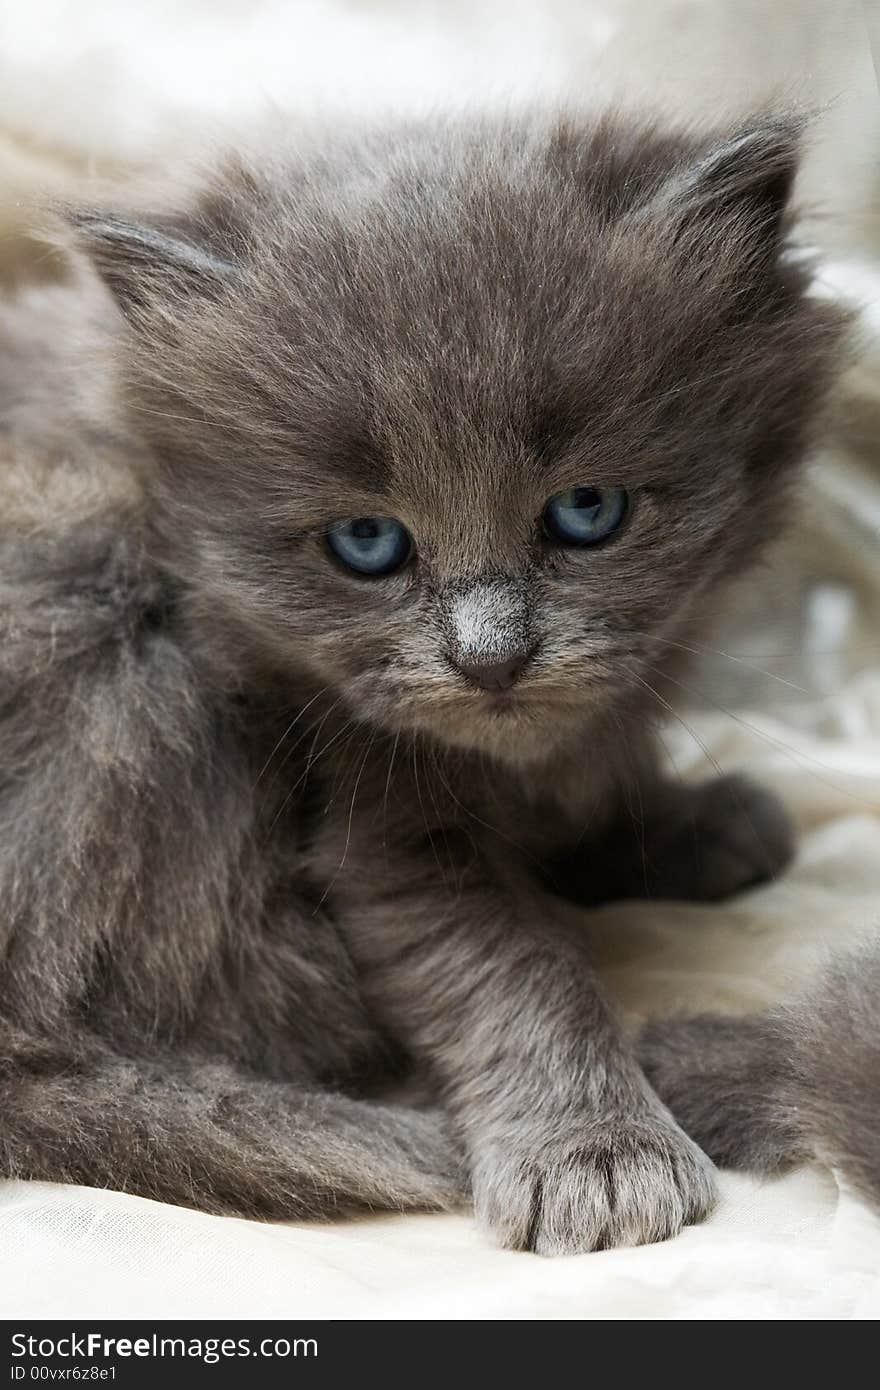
799,1081
207,1136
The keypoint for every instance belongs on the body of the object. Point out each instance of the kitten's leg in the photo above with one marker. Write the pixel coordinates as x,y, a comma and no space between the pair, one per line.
569,1147
701,843
209,1136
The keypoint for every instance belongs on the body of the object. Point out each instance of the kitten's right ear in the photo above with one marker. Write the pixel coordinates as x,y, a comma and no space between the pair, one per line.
141,263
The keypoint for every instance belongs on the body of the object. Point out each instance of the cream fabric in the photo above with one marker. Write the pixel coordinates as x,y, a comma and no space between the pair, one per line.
83,88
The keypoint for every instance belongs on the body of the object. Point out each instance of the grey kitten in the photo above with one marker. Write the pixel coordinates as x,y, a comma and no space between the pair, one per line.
334,654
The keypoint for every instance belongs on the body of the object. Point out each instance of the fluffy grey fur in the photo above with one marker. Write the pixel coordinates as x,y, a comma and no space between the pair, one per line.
263,836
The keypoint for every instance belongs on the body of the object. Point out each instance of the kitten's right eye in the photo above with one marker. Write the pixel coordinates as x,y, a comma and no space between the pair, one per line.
373,545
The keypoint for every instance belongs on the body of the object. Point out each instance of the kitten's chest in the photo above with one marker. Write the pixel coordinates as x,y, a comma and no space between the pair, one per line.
546,809
538,809
359,790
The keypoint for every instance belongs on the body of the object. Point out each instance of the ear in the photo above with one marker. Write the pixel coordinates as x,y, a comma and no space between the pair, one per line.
748,177
140,262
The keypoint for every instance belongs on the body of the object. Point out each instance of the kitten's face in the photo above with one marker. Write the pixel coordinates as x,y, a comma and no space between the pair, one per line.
470,439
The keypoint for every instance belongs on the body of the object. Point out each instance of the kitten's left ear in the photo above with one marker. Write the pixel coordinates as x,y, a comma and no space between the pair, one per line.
748,177
140,263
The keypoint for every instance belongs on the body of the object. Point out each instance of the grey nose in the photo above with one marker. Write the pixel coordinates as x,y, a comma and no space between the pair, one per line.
495,675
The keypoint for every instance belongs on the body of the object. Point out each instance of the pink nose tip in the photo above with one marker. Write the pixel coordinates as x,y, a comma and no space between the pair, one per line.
494,675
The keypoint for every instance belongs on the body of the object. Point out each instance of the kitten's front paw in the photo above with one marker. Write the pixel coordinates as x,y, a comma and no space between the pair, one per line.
736,835
702,844
625,1182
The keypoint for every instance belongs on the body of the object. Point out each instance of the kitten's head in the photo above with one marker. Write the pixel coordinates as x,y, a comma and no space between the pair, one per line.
468,420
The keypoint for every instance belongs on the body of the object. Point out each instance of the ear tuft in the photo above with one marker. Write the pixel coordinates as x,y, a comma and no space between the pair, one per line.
137,261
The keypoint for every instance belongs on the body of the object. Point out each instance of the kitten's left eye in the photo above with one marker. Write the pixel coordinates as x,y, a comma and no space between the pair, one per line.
585,515
370,544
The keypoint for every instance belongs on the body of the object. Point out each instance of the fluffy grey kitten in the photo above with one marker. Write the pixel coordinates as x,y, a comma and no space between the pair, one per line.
337,656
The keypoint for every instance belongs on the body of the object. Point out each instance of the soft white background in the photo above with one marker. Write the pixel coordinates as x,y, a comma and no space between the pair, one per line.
96,88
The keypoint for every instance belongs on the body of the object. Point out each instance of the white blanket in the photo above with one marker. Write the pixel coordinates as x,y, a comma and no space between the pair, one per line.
807,722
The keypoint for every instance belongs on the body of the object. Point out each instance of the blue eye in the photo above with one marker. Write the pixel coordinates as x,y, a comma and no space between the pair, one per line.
585,515
370,544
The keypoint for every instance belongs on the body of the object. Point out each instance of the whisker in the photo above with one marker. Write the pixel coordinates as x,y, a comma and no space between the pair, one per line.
795,755
637,822
354,793
387,788
714,761
291,726
312,758
426,750
351,730
414,747
701,650
675,714
315,758
297,743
